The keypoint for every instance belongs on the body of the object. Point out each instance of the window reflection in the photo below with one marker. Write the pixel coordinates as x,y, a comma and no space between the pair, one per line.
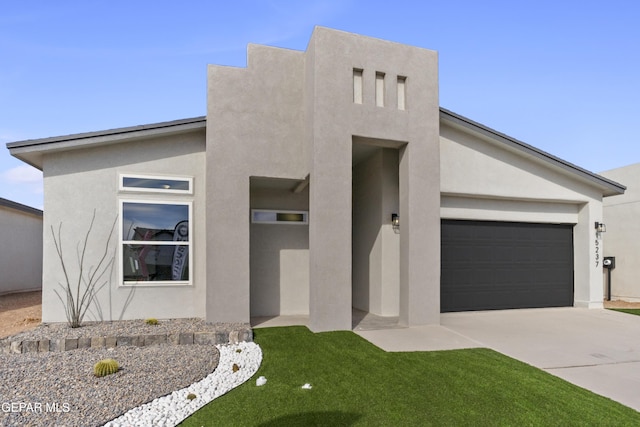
155,242
155,183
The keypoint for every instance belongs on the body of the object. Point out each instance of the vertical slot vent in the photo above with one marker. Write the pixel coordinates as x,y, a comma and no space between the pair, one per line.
379,89
402,93
357,86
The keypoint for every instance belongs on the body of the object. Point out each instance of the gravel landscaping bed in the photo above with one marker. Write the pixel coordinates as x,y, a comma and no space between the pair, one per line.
59,388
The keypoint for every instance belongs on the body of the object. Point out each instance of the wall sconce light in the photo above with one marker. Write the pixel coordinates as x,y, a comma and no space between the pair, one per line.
395,221
600,227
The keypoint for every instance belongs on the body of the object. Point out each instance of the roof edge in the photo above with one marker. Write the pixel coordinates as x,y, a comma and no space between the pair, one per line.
613,187
6,203
107,133
200,122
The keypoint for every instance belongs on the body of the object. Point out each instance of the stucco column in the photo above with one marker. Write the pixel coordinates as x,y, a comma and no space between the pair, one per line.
419,235
588,256
334,119
227,298
330,234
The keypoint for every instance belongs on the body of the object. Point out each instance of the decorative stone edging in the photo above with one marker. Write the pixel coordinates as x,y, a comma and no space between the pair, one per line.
173,408
183,338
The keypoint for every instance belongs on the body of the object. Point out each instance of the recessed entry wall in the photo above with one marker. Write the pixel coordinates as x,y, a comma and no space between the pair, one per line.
375,243
279,255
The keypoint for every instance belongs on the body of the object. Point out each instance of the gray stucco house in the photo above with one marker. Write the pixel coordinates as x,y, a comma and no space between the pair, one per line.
21,258
622,239
318,182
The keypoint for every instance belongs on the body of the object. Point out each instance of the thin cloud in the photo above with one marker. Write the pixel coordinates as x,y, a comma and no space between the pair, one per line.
290,21
23,174
22,184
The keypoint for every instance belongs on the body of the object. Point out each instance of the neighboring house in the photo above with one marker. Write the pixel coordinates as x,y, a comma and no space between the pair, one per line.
280,201
622,238
21,256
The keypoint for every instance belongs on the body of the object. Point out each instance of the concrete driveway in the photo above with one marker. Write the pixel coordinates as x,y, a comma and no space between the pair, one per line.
592,348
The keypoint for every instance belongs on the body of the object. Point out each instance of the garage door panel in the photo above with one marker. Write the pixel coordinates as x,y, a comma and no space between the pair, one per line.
499,265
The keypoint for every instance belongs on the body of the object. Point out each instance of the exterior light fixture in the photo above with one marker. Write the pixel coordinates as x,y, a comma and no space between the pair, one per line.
395,221
600,227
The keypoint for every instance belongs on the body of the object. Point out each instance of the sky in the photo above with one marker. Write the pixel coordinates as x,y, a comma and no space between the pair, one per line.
561,75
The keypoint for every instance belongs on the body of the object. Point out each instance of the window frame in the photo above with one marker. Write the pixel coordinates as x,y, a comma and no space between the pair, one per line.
121,242
123,188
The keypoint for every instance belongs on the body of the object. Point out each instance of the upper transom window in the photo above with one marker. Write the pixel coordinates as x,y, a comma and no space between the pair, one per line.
156,184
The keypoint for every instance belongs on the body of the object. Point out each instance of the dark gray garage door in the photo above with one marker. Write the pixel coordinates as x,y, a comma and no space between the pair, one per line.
499,265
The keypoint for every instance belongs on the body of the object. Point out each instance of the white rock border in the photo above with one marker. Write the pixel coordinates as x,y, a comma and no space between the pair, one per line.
173,408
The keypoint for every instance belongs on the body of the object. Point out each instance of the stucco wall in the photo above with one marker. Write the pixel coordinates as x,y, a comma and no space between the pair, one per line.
622,239
292,114
21,257
78,182
376,246
485,181
332,57
255,127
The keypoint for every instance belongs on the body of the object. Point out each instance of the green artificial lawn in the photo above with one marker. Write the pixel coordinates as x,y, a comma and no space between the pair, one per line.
356,383
635,311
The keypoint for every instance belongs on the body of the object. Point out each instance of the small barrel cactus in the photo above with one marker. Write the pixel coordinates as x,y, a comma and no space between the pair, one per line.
191,396
105,367
151,321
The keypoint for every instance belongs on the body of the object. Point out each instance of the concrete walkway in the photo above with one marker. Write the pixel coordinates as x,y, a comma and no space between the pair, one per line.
595,349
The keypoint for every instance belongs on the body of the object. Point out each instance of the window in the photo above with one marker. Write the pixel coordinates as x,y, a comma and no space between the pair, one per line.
156,184
156,242
264,216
